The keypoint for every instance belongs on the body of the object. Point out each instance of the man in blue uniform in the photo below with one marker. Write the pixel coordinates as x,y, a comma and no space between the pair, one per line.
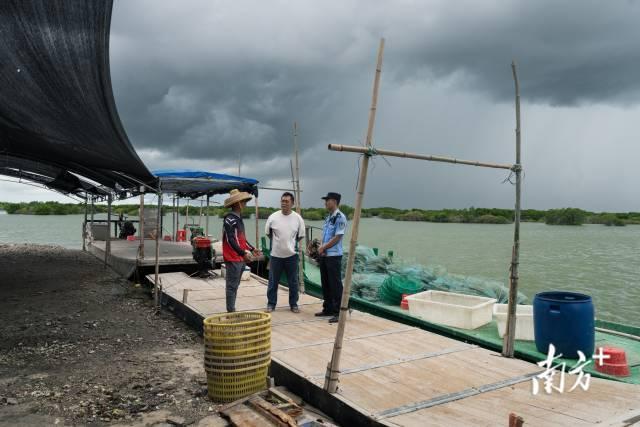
330,261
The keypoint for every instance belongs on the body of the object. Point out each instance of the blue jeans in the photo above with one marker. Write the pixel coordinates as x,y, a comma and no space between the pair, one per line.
290,268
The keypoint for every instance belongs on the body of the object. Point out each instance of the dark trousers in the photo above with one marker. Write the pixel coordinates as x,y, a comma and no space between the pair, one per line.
331,278
232,281
290,267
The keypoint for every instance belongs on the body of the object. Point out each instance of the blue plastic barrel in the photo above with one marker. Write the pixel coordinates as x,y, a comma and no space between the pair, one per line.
566,320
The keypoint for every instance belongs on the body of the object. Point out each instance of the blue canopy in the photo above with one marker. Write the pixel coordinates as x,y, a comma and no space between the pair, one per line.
193,183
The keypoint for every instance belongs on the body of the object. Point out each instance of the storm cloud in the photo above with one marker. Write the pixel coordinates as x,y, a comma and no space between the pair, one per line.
205,84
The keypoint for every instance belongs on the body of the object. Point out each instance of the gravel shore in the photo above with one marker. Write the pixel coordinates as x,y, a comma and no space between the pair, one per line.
82,346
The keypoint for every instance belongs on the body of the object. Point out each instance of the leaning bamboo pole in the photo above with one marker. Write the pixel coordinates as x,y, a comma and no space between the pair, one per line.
296,186
391,153
333,369
509,336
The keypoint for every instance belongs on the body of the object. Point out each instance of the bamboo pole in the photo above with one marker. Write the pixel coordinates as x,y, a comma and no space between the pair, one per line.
177,217
509,337
391,153
200,216
93,211
173,219
207,216
156,292
301,286
107,248
141,245
257,228
331,377
186,216
84,224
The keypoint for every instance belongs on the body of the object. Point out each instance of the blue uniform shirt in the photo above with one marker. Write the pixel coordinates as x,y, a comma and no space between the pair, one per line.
334,225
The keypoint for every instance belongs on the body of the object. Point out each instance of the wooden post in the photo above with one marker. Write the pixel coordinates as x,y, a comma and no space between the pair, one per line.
84,224
141,245
107,246
515,420
333,369
156,292
207,216
296,187
509,337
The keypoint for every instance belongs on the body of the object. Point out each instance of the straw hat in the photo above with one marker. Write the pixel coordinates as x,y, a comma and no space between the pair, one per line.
236,196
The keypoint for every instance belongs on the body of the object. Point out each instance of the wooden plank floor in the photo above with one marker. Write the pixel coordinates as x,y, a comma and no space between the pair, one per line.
170,252
402,375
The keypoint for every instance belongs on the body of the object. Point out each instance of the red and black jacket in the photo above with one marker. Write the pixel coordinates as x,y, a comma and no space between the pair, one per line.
234,241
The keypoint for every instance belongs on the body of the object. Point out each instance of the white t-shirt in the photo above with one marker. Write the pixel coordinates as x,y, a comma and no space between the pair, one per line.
285,229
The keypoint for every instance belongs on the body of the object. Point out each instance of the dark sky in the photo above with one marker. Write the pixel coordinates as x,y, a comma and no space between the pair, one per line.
202,84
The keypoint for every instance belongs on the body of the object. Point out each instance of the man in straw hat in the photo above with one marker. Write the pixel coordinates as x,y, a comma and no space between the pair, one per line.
330,260
236,251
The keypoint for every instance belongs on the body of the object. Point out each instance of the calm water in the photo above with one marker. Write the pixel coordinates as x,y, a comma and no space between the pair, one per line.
603,262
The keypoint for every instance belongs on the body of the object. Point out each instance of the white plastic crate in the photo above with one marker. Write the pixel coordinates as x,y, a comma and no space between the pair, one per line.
524,321
246,274
451,309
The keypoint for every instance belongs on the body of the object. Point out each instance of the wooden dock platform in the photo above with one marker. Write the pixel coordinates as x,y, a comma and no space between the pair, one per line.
397,375
124,254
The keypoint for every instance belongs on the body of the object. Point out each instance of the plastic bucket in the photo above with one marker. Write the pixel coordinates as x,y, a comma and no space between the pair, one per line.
566,320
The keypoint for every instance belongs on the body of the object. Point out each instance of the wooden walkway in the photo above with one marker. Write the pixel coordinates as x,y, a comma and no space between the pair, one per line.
401,375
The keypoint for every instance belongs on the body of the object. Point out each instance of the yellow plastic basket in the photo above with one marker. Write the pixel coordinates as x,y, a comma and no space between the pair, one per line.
237,354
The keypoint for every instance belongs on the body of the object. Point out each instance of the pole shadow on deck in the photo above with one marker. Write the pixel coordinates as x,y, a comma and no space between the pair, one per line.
368,151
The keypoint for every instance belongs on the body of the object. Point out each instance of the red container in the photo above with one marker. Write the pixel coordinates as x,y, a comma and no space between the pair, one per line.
202,242
131,238
167,238
615,365
404,304
181,236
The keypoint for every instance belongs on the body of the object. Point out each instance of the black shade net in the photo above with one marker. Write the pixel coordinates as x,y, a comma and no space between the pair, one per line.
56,100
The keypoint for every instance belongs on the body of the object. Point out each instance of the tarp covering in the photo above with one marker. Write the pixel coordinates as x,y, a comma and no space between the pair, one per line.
193,183
56,101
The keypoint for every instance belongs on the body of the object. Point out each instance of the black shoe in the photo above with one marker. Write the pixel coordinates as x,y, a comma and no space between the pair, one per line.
323,314
334,319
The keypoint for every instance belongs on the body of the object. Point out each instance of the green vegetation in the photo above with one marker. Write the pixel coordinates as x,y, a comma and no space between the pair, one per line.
567,216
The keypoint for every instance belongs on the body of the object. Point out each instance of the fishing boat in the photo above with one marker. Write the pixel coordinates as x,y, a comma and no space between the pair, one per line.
607,334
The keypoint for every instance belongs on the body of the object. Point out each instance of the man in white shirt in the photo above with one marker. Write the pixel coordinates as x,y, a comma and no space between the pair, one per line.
285,228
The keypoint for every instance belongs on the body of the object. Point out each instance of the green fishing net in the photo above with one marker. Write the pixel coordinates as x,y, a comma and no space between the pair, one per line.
385,279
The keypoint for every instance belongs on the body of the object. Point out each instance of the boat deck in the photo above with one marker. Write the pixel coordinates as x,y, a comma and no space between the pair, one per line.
394,374
487,335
